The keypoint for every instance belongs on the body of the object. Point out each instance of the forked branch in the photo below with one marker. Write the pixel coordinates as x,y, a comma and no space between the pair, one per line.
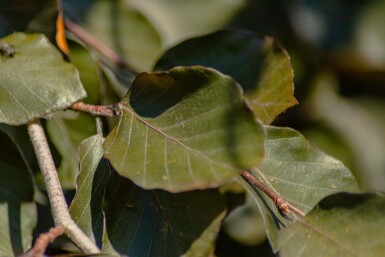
59,207
283,206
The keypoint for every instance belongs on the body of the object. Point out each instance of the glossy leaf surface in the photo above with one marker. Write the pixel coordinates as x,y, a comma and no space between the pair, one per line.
261,67
35,81
299,173
184,129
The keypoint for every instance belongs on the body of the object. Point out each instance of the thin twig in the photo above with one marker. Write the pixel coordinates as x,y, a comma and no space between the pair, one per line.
283,206
90,41
43,240
97,110
59,207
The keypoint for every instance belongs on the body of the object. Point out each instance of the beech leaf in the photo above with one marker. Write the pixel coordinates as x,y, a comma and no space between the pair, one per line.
301,174
354,228
35,80
261,67
124,219
184,129
17,209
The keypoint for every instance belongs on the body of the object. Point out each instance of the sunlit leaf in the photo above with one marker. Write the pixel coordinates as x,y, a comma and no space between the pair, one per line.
17,209
35,81
301,174
177,20
261,67
135,222
184,129
353,229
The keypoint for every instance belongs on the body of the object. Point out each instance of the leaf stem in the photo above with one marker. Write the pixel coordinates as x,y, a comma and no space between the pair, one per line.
59,207
97,110
283,206
90,41
43,240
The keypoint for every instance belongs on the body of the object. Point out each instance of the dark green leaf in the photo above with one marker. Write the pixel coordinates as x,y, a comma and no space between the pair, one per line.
258,64
21,15
299,173
35,81
184,129
135,222
355,229
17,209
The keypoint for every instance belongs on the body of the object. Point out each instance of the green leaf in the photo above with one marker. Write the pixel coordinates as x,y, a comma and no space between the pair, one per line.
124,30
35,81
261,67
177,20
184,129
66,130
86,207
301,174
127,220
17,209
156,223
355,229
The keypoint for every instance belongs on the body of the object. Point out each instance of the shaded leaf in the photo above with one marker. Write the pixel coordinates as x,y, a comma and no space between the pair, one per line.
123,29
177,20
135,222
261,67
17,209
299,173
355,230
184,129
157,223
86,207
20,15
35,81
66,130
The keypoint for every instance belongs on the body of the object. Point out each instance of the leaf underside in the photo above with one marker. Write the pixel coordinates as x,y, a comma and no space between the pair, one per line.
184,129
35,81
299,173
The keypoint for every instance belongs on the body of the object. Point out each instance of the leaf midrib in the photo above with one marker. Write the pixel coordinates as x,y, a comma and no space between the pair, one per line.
146,123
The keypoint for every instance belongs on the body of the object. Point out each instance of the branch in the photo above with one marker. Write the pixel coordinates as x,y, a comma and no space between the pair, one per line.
59,207
98,110
90,41
43,240
282,206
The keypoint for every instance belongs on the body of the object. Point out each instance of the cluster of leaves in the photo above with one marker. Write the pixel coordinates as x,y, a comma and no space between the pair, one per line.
198,115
